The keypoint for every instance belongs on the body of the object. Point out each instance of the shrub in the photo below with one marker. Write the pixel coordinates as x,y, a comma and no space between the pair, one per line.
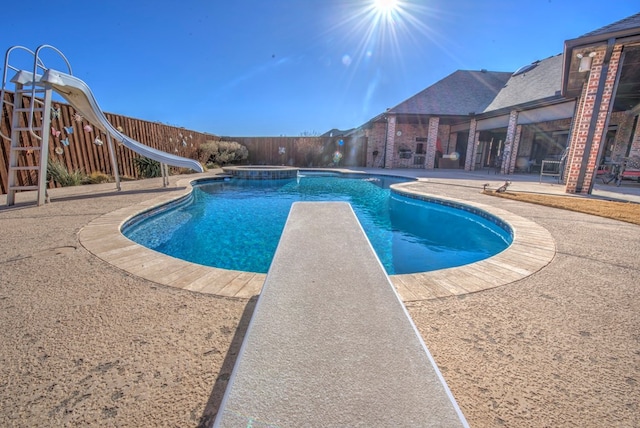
147,168
96,178
58,172
206,151
231,152
219,153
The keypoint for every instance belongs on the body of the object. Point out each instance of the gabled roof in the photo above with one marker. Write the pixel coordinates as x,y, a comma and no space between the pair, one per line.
629,23
458,94
541,81
464,92
626,30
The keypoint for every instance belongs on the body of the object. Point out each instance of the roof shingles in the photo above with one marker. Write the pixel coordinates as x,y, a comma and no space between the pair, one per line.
464,92
628,23
538,83
460,93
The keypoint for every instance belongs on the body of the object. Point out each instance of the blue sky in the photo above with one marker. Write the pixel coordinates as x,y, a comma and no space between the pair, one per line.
289,67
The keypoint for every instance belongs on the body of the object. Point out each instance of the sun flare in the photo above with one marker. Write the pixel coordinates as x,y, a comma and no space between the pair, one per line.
385,6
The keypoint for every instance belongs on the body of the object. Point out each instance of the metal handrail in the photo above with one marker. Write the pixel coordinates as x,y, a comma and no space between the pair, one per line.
5,69
38,63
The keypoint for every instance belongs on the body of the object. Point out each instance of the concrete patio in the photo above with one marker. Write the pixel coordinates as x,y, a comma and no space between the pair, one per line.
88,343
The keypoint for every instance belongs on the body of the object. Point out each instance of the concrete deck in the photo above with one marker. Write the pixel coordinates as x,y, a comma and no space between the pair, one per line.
88,344
329,341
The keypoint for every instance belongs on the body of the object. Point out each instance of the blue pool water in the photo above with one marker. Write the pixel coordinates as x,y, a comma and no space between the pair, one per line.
236,224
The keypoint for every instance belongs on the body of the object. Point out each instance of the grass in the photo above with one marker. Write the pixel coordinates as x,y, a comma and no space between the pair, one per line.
623,211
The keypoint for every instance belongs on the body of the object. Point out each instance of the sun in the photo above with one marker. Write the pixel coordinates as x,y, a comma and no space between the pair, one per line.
385,6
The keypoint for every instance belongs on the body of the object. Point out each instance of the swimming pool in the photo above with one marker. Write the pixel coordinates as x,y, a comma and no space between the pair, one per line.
236,224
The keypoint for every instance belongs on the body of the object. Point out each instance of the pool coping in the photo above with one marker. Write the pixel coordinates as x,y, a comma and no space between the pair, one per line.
532,249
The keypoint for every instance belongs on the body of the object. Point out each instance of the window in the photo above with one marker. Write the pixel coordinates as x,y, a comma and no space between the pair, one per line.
404,154
420,149
549,145
609,145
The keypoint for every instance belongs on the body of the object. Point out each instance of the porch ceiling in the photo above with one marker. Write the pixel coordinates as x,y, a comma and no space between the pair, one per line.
628,92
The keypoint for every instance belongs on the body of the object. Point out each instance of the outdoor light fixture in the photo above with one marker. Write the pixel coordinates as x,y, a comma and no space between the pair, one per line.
585,61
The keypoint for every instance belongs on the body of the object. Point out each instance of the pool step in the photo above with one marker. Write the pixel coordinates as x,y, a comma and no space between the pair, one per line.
330,343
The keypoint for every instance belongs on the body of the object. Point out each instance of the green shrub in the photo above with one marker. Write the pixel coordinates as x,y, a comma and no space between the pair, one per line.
58,172
147,168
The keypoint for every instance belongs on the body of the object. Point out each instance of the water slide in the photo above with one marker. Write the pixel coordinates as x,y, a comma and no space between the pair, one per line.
79,95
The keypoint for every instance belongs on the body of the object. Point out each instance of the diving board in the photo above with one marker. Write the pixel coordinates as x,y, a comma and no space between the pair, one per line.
329,342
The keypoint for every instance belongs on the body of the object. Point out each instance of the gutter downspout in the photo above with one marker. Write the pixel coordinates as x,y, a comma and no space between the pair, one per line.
594,117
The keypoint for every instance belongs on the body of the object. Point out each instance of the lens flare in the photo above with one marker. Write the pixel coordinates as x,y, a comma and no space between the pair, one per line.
380,36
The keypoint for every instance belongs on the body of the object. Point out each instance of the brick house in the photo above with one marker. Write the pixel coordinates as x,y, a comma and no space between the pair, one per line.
574,112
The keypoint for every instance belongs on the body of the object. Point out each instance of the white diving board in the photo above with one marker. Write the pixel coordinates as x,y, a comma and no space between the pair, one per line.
330,343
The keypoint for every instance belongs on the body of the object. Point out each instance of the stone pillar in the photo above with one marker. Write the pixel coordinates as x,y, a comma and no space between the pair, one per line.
390,143
432,138
470,159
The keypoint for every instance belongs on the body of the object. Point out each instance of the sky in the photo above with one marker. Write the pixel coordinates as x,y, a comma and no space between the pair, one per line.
287,67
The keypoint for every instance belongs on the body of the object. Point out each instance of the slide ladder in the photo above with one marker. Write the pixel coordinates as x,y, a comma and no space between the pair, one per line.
31,115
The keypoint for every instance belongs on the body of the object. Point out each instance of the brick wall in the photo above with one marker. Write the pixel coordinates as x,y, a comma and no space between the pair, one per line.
635,144
625,124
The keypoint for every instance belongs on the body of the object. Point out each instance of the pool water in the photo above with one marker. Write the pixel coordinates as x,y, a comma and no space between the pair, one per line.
236,224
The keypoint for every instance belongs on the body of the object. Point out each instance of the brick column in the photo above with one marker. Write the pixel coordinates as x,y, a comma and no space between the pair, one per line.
470,159
516,145
432,137
591,122
508,152
444,132
390,144
570,169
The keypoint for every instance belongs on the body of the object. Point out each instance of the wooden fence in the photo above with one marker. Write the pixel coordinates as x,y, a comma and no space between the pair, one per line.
80,146
305,151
